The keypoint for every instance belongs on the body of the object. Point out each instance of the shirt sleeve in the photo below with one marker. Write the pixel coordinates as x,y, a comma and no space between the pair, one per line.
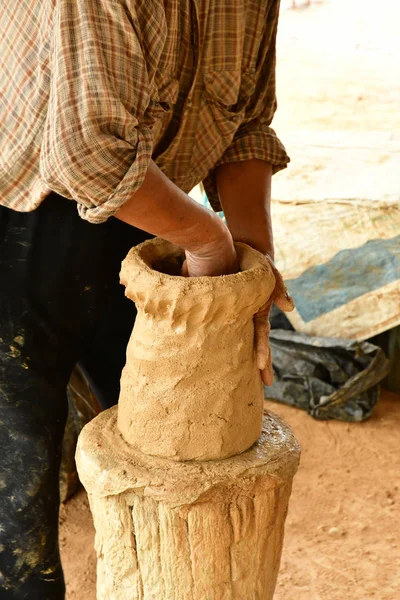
97,142
255,138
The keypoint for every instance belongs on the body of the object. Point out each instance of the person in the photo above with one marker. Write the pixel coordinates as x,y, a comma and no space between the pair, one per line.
111,112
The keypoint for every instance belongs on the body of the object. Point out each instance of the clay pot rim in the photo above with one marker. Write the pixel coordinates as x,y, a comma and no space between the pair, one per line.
260,264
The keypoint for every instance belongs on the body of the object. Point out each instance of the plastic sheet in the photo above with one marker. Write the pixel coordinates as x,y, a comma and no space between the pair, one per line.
328,378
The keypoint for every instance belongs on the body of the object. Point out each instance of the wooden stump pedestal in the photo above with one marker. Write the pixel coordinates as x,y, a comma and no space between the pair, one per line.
168,530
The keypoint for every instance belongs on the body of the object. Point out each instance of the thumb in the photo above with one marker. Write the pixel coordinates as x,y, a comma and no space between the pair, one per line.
280,296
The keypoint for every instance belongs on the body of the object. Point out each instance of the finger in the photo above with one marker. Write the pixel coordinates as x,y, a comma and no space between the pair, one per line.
267,374
283,300
263,348
262,329
185,269
280,295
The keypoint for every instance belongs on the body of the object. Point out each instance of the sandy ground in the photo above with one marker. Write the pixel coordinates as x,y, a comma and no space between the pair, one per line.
343,528
338,67
338,70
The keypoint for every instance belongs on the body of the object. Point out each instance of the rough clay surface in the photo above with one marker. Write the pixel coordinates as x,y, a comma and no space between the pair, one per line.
191,389
109,466
168,530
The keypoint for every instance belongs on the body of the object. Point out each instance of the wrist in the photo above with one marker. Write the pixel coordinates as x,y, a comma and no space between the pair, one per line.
215,257
210,249
207,234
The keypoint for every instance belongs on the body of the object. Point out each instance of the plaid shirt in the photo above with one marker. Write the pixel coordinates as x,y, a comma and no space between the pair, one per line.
91,90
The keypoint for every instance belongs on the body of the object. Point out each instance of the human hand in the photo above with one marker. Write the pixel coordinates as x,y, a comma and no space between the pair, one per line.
218,257
262,326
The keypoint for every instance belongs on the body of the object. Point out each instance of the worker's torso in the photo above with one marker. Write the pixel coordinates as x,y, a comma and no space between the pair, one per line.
202,59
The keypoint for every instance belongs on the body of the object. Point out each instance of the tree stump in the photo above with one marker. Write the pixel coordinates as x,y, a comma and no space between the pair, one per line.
168,530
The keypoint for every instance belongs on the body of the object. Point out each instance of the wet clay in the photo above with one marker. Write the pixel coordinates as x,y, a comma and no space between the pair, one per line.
191,389
168,530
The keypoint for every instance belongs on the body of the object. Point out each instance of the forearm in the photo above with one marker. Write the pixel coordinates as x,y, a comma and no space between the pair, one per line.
244,190
161,208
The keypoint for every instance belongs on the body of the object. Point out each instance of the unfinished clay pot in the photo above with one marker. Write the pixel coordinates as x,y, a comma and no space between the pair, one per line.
191,389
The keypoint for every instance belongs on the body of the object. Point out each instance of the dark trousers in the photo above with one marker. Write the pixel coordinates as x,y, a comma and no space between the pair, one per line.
60,302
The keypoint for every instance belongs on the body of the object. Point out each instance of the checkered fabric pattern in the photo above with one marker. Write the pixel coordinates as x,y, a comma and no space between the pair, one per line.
92,90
